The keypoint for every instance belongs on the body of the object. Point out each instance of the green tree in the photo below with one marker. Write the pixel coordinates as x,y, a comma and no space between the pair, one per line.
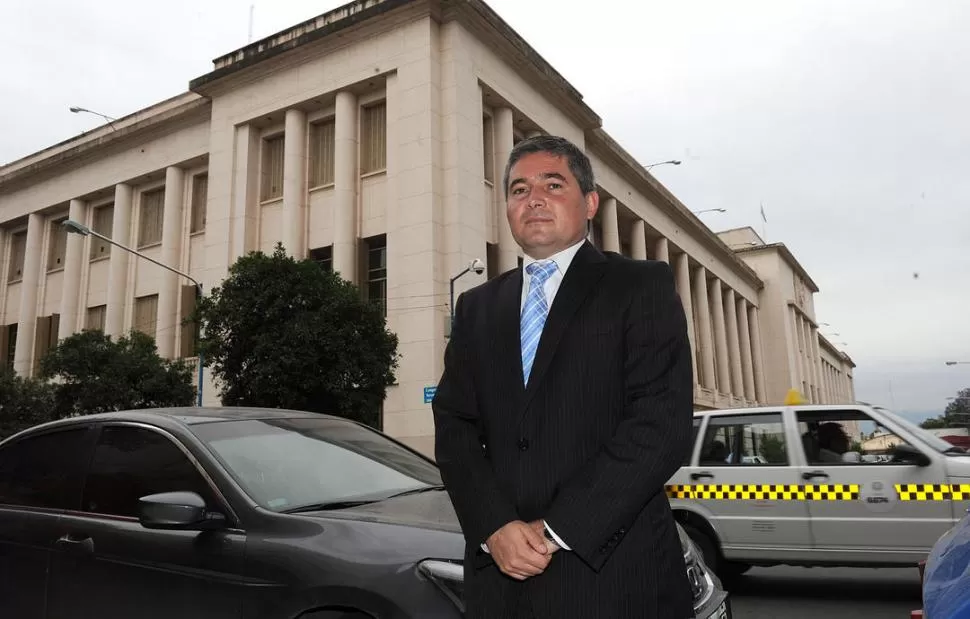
24,402
93,374
934,423
957,411
283,333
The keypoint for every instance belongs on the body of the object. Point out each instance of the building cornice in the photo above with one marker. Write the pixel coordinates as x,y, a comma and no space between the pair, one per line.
786,255
182,110
613,154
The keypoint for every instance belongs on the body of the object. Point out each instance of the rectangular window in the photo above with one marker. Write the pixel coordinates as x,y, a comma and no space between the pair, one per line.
190,328
200,192
488,149
94,321
102,224
377,271
745,440
146,314
150,218
693,441
43,470
57,249
323,256
322,151
373,138
45,337
272,168
18,252
8,344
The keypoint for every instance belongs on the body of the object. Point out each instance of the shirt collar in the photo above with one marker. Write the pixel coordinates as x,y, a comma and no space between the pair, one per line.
562,259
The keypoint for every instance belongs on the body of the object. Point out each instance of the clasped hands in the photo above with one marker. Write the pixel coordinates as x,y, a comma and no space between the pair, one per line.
520,549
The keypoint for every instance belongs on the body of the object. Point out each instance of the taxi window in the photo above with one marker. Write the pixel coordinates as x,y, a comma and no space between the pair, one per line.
846,437
745,440
693,440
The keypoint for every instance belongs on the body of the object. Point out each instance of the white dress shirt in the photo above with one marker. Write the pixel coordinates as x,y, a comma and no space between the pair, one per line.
562,259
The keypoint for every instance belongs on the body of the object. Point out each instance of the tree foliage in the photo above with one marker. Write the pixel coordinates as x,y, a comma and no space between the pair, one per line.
956,413
283,333
93,374
24,402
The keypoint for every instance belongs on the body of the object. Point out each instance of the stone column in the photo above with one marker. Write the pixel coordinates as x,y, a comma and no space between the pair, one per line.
706,337
720,338
168,289
638,241
345,187
29,288
662,250
611,226
796,331
757,356
682,273
73,261
114,319
504,140
295,182
734,343
747,367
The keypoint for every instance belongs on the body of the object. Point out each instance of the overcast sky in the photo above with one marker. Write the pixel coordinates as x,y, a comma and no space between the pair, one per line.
850,121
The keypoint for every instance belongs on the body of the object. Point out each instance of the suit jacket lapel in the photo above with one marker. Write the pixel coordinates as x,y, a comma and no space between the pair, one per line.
584,272
507,338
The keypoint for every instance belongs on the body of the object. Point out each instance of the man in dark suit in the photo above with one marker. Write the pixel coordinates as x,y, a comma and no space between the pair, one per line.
564,407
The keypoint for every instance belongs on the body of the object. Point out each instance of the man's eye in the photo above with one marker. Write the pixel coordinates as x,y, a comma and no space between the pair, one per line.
518,191
555,186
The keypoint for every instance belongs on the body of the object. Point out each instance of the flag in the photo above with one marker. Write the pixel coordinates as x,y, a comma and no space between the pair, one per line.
763,213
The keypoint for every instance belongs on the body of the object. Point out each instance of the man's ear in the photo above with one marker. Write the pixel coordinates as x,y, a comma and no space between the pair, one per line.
592,204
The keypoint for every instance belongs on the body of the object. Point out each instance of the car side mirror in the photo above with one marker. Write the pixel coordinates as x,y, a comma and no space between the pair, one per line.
177,510
908,454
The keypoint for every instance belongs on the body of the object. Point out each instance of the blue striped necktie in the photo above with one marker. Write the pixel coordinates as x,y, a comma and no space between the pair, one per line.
534,313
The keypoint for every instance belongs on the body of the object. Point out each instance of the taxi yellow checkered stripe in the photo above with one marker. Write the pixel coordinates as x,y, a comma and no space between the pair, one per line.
822,492
933,492
770,492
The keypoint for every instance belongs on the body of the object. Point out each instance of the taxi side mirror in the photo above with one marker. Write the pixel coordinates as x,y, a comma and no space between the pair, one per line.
908,454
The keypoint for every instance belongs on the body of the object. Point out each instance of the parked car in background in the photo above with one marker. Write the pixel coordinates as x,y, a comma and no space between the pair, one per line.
233,513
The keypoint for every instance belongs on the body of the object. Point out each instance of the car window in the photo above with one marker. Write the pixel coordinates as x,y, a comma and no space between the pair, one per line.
846,437
43,470
744,440
131,462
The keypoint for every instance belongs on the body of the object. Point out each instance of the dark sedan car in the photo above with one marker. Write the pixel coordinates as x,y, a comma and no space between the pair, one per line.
240,513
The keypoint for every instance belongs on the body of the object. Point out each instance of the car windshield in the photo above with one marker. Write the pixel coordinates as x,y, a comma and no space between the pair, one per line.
929,438
288,464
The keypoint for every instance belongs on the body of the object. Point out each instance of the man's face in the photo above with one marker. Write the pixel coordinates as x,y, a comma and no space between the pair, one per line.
547,210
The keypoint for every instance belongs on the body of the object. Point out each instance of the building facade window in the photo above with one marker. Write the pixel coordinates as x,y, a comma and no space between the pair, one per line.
57,249
322,151
373,138
200,193
323,256
150,215
488,149
272,169
103,223
377,271
146,314
18,253
8,345
94,321
190,328
45,337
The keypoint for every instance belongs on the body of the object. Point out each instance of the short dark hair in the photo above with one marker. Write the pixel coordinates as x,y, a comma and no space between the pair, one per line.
577,160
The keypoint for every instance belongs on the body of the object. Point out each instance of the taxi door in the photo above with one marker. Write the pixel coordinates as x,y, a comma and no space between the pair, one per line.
868,497
742,481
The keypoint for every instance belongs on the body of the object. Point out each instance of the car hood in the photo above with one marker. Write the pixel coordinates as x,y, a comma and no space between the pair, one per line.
427,510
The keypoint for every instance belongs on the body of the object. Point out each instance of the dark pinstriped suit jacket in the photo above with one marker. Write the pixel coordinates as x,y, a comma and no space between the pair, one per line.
604,423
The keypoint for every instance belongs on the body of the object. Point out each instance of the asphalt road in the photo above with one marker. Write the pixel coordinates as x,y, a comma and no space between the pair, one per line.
809,593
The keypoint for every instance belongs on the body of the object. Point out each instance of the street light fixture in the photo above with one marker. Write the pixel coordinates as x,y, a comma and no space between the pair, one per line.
475,265
710,210
77,110
77,228
670,162
958,362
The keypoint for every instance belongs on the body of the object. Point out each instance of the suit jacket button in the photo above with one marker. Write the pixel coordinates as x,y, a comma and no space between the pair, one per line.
523,444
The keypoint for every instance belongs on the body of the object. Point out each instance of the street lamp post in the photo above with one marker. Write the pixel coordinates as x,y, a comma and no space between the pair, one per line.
710,210
958,362
77,110
475,265
77,228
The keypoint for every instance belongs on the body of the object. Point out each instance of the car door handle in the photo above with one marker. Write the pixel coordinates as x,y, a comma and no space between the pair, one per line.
814,474
76,543
701,475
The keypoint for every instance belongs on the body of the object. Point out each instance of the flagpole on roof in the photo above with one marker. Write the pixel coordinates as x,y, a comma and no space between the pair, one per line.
764,224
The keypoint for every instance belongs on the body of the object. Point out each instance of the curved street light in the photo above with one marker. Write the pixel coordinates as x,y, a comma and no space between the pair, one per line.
958,362
710,210
668,162
77,228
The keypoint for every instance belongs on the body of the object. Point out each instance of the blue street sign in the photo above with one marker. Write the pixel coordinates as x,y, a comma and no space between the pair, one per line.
429,393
